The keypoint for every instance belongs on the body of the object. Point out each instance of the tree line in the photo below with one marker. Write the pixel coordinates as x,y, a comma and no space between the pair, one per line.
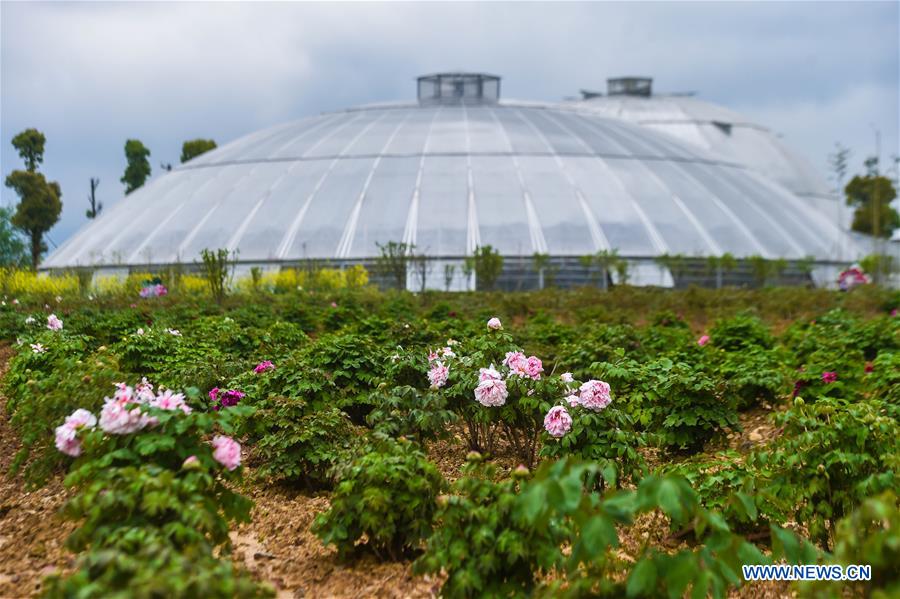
40,200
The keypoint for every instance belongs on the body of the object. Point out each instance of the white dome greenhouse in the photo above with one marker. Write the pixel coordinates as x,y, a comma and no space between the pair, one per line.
456,170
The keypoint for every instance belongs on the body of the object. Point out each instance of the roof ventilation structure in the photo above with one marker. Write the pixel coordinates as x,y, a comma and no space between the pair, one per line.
458,88
629,86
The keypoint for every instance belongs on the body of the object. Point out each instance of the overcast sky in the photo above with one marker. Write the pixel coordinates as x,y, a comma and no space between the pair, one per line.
92,75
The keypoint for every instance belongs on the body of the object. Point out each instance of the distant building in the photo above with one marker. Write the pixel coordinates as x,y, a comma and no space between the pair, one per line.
461,168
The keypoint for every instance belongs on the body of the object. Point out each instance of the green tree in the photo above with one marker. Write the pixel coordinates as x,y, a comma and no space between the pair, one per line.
487,264
393,263
138,168
38,210
12,248
872,195
194,147
30,145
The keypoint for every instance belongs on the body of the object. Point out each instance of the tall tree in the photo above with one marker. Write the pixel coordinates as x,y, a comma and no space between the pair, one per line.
38,210
96,206
872,195
838,163
194,147
138,168
30,145
12,248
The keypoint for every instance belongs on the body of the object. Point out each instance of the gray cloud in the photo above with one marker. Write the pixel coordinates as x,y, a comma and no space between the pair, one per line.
92,75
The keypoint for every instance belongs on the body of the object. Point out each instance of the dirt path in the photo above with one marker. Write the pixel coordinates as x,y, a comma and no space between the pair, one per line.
31,532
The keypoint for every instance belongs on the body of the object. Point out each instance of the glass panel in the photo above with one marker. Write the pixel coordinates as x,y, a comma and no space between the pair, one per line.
447,132
376,139
234,207
558,209
297,145
441,228
411,137
614,210
676,229
718,224
803,228
325,220
502,220
715,180
560,141
287,195
262,146
341,138
485,133
521,136
188,210
596,140
382,217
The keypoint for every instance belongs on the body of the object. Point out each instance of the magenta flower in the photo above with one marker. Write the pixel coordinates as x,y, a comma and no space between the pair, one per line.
703,340
870,367
829,377
557,422
264,366
225,399
226,451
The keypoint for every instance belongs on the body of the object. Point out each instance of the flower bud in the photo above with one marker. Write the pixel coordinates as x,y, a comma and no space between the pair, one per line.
798,401
820,468
474,457
521,472
191,463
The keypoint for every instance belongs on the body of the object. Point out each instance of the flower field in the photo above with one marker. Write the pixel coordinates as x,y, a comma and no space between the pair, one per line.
335,440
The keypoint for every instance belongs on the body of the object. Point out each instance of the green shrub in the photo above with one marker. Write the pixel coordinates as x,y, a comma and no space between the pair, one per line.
831,456
406,411
607,438
299,445
388,495
484,542
739,333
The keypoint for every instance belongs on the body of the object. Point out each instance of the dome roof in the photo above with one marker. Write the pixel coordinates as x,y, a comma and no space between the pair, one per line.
524,178
722,132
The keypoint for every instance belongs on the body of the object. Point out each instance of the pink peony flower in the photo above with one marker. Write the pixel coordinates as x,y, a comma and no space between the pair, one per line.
494,324
225,399
485,374
122,414
448,353
438,374
534,367
557,422
67,434
703,340
264,366
517,363
167,400
433,355
54,323
573,400
829,377
38,348
226,451
894,312
491,392
190,462
566,377
334,304
594,395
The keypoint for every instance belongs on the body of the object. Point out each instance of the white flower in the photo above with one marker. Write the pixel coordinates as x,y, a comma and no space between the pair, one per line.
174,332
38,348
140,331
494,324
30,320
